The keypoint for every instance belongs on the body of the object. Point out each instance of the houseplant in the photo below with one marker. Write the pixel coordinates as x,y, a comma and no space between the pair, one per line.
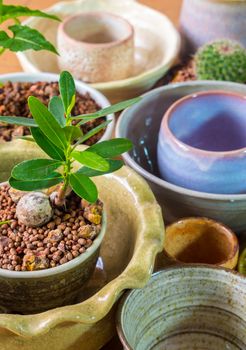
23,37
59,139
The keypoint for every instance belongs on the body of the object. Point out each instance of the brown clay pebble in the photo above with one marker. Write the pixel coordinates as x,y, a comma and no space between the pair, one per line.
13,102
64,238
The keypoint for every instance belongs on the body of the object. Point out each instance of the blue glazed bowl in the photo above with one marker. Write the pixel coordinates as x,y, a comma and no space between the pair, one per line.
202,143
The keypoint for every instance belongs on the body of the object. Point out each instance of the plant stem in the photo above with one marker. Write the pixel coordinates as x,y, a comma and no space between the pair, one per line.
2,49
61,195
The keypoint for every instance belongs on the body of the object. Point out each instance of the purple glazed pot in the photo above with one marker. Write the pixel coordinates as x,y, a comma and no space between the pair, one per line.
202,21
202,143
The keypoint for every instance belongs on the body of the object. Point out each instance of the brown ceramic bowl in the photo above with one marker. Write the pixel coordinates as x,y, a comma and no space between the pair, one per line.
201,240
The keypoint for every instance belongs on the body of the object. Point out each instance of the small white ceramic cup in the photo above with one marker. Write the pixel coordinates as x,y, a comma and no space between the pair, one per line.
96,46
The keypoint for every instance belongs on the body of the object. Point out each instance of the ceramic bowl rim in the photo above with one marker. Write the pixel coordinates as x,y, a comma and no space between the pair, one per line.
230,236
157,180
80,87
198,151
144,76
129,32
61,268
158,274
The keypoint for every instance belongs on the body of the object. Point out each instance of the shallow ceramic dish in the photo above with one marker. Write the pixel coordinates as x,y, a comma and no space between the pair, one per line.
141,124
204,134
80,87
133,238
157,44
202,241
191,307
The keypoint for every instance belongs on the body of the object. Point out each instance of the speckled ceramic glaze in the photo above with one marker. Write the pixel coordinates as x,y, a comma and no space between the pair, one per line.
202,143
203,241
28,292
186,308
96,47
156,44
141,123
205,20
133,238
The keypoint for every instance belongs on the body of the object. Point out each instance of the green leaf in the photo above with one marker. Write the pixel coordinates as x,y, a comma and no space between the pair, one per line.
83,187
35,169
12,11
91,160
46,145
114,165
67,91
47,123
108,110
25,38
38,184
5,222
25,138
73,133
57,109
111,148
92,132
18,121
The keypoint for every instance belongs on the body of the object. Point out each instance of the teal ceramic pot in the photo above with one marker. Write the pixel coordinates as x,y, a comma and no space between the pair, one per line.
141,123
191,307
205,135
28,292
202,21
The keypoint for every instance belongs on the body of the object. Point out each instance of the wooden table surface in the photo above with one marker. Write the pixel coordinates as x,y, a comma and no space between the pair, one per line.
9,62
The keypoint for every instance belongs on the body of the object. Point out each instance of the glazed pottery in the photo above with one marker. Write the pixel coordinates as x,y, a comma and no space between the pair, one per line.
134,236
202,21
141,123
96,47
80,87
204,134
29,292
156,44
203,241
189,307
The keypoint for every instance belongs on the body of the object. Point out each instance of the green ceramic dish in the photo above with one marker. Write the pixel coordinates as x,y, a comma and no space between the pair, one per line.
186,307
135,234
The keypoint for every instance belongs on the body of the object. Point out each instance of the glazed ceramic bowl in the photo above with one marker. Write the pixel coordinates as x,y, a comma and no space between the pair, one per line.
29,292
156,44
190,307
202,241
80,87
202,21
141,123
133,238
96,47
204,134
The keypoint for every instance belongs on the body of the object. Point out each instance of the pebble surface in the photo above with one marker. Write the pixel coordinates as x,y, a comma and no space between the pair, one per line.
69,233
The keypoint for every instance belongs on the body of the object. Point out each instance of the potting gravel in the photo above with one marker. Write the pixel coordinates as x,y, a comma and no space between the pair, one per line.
13,102
68,235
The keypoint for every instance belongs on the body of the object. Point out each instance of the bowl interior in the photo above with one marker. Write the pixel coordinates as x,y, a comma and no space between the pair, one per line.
198,240
96,28
209,121
141,123
186,308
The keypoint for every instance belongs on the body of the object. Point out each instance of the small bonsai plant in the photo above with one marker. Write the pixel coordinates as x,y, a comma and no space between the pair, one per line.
221,60
23,37
66,176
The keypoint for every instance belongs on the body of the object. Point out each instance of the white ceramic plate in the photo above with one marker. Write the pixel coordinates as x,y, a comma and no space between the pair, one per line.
157,44
81,87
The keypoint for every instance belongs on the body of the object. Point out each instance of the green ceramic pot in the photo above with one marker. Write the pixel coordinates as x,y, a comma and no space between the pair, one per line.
134,236
28,292
186,308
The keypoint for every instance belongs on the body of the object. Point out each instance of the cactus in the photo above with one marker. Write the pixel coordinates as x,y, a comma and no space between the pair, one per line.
221,60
